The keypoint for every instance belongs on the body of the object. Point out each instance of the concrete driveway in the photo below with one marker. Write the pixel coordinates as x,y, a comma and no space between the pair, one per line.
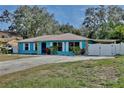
25,63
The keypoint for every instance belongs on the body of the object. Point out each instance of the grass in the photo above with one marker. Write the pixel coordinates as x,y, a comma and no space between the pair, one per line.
93,73
5,57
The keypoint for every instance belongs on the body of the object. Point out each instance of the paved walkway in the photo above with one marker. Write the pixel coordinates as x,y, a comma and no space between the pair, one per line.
25,63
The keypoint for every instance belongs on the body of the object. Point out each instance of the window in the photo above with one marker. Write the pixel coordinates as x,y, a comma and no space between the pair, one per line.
55,44
35,44
3,36
76,43
58,45
26,46
72,44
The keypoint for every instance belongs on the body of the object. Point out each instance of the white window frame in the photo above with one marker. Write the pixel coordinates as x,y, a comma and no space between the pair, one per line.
63,46
34,46
51,44
80,43
28,46
24,46
67,46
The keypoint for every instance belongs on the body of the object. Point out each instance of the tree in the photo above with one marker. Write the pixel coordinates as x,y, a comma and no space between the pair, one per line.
115,14
100,21
34,21
118,33
67,28
5,17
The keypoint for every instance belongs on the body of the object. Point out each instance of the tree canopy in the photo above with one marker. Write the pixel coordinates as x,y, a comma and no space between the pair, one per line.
102,22
34,21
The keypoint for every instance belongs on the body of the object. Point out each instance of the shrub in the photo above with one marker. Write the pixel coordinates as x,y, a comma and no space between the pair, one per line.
53,50
47,50
82,51
76,50
4,50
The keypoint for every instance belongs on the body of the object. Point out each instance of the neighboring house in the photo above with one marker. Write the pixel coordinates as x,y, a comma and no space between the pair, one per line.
63,42
9,34
9,40
13,44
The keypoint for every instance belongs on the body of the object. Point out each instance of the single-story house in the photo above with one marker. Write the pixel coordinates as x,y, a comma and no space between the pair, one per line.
64,42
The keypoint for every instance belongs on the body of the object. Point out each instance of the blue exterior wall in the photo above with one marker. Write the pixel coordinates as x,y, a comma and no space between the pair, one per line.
39,45
70,52
48,44
20,48
83,44
22,51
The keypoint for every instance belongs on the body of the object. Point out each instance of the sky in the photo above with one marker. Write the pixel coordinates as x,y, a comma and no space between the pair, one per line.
73,15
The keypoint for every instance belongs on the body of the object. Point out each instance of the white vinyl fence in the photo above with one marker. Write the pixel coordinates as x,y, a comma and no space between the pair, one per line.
106,49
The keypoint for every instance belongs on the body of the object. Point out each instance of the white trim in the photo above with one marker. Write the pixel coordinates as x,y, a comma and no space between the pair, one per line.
80,44
63,46
34,46
28,46
23,46
51,44
67,46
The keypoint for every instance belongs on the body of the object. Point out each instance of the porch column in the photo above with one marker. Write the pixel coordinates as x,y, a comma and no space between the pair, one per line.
63,46
23,46
39,48
67,46
34,46
29,46
80,44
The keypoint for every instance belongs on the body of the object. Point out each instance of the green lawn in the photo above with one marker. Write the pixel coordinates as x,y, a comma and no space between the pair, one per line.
97,73
5,57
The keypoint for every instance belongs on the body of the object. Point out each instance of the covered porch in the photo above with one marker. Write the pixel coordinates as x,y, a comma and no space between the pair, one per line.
61,47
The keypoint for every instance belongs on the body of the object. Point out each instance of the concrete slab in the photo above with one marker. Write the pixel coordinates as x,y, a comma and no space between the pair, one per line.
26,63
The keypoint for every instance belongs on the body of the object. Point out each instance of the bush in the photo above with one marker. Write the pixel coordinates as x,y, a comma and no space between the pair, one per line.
47,50
76,50
4,50
82,51
53,50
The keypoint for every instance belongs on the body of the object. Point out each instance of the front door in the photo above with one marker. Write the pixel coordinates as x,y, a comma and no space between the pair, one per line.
43,48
